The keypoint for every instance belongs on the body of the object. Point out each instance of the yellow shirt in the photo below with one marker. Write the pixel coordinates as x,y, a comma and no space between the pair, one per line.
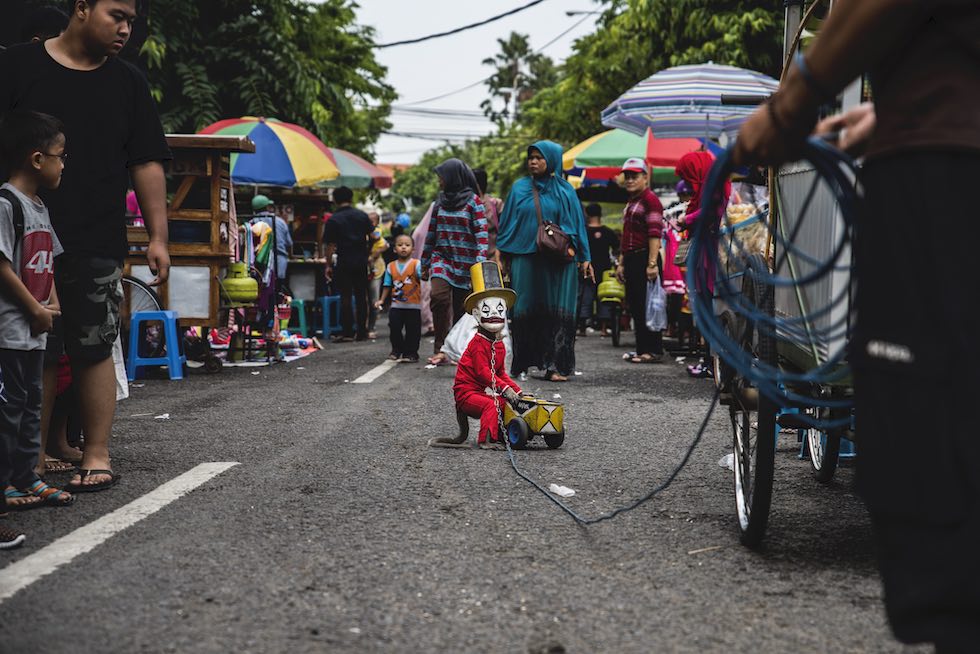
378,245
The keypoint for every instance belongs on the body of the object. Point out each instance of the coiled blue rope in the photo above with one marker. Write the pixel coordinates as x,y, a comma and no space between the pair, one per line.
783,386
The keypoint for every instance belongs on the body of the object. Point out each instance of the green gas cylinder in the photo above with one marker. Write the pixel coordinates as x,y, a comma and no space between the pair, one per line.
238,286
610,288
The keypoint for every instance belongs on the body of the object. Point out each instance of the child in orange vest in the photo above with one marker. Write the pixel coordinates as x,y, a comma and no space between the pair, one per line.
403,286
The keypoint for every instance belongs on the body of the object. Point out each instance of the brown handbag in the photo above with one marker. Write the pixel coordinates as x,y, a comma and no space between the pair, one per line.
552,241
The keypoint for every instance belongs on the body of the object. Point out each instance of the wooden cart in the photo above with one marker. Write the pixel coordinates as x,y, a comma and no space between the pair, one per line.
201,224
203,232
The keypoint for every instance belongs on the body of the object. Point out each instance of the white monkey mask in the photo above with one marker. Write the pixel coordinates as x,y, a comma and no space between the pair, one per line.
491,313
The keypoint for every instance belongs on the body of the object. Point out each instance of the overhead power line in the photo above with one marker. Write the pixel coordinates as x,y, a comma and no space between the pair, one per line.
577,23
446,95
436,110
463,28
485,79
445,114
436,135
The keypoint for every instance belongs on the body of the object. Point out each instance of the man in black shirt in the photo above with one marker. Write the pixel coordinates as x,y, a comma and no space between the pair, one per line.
918,451
346,233
602,241
113,135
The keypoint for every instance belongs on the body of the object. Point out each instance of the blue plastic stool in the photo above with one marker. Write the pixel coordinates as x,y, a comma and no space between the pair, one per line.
300,306
330,320
173,359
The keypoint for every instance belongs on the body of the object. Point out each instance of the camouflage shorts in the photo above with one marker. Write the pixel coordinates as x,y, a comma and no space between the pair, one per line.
90,291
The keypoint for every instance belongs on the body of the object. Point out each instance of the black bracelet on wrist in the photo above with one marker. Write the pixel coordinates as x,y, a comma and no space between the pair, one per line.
811,81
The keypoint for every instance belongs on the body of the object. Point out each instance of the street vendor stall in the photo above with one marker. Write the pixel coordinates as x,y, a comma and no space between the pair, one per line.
201,223
305,212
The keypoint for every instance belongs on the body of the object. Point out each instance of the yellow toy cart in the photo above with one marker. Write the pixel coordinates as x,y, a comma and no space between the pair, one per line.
534,417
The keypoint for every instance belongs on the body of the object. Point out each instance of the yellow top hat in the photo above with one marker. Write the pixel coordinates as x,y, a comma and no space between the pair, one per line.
487,281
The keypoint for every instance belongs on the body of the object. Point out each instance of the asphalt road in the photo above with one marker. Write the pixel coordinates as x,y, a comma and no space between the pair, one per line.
340,531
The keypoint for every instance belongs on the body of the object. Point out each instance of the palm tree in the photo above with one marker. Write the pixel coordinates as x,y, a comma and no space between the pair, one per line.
518,70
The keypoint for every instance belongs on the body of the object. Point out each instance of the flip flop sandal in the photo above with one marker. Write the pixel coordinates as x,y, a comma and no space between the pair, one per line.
92,488
57,465
650,358
67,459
50,496
14,494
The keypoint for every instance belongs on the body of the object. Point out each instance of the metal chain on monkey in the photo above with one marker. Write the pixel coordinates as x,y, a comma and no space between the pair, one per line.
496,394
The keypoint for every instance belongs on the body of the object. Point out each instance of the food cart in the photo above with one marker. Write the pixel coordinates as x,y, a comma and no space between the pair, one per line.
203,233
801,280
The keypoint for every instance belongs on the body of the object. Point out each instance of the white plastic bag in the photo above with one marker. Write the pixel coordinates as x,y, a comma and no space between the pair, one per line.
459,337
656,306
122,379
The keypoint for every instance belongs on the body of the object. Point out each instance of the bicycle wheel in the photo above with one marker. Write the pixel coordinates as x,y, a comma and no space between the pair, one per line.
824,449
724,374
138,296
753,418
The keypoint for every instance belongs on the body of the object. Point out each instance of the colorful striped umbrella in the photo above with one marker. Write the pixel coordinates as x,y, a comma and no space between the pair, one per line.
685,101
285,154
355,172
613,147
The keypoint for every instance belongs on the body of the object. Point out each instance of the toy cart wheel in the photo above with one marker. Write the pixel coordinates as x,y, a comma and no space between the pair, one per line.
753,418
212,364
615,327
554,441
518,433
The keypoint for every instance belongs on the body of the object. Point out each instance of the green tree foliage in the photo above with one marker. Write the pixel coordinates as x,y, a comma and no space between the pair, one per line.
637,38
634,39
296,60
516,69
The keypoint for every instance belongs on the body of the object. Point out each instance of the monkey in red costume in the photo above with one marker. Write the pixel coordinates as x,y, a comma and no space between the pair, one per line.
482,384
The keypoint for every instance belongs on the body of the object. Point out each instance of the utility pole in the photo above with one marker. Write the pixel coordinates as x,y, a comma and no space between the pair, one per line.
515,91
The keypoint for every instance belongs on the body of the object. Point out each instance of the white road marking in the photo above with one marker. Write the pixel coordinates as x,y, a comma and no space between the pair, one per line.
376,372
25,572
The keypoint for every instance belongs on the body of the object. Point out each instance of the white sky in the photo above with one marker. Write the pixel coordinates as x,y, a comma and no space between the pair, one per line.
431,68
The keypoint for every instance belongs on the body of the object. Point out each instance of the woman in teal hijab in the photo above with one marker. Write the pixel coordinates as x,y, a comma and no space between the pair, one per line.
543,318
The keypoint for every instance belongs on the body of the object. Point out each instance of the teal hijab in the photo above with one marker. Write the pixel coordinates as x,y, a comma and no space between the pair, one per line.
518,230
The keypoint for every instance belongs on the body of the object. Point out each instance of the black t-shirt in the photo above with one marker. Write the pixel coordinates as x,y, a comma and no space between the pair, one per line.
348,228
601,241
111,123
927,88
